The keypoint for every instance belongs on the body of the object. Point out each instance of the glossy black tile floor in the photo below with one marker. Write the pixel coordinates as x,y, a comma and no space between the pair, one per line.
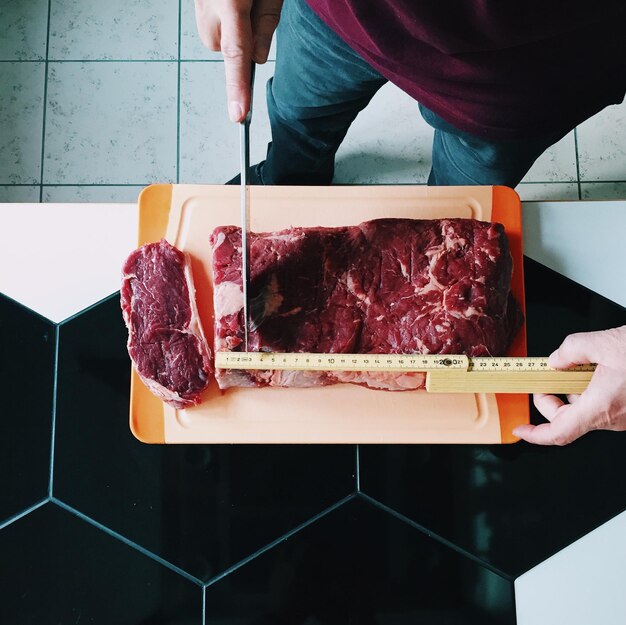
130,533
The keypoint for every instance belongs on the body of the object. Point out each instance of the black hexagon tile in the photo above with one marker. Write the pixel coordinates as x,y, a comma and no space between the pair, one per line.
513,506
57,568
27,347
359,564
200,507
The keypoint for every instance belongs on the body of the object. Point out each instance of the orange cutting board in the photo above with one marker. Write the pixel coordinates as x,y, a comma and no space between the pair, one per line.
186,215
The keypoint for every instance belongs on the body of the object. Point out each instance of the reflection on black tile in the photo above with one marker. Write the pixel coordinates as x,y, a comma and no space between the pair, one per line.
202,508
513,506
360,565
27,356
56,568
557,306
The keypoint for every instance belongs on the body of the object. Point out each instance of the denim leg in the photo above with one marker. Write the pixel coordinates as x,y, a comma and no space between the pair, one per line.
320,84
463,159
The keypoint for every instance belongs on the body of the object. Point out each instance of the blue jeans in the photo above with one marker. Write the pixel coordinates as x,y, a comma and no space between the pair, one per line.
320,85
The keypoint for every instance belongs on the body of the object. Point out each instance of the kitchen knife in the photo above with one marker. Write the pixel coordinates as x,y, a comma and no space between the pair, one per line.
244,149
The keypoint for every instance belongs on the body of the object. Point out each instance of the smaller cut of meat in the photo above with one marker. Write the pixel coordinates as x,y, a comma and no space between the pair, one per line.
165,338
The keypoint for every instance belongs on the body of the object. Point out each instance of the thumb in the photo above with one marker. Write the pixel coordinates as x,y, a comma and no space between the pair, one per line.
265,17
578,349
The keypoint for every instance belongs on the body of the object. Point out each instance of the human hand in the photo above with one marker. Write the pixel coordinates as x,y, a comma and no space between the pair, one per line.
242,30
602,406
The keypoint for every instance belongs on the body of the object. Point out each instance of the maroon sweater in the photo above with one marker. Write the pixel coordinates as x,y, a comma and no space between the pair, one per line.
499,69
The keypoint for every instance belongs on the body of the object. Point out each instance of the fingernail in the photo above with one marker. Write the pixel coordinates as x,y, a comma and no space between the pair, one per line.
235,111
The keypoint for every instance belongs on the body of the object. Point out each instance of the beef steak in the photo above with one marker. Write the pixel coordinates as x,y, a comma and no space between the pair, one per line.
165,338
384,286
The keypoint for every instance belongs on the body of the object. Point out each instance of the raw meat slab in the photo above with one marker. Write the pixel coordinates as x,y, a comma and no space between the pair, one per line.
384,286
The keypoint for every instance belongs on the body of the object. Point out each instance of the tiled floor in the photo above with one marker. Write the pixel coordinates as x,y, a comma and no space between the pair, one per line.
98,99
102,528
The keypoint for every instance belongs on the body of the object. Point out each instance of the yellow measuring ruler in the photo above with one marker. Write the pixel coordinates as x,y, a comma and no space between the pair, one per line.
444,373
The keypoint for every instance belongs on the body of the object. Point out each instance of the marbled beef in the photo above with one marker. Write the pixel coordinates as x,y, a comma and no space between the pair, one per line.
165,338
385,286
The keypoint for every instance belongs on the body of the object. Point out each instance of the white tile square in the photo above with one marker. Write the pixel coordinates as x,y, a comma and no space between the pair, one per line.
113,29
209,141
21,122
19,194
602,145
538,191
556,164
111,123
603,190
24,30
99,194
388,143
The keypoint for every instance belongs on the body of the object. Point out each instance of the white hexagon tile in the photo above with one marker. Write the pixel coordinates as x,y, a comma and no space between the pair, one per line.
80,251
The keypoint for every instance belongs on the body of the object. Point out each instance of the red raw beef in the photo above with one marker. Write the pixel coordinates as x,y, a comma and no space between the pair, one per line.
165,338
385,286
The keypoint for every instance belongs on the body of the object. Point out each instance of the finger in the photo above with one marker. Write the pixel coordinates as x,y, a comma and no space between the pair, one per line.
208,25
236,44
573,398
547,405
581,348
265,17
565,427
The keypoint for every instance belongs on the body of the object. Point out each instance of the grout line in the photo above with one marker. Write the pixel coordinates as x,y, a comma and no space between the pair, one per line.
357,469
435,537
172,60
127,541
57,332
145,184
91,184
203,605
45,104
23,513
580,194
180,12
279,540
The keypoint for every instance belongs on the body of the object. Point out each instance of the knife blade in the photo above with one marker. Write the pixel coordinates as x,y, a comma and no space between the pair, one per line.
244,149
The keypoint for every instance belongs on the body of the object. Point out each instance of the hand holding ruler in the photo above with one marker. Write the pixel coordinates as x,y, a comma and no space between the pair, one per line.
444,373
